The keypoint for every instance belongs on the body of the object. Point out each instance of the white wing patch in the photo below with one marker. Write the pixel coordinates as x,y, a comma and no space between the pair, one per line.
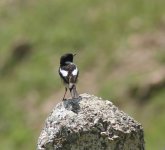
63,72
75,71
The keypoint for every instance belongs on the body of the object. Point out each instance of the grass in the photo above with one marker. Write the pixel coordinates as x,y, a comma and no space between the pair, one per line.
96,30
160,57
154,126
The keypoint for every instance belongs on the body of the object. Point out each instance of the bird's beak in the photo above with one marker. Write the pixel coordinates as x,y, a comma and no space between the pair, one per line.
74,54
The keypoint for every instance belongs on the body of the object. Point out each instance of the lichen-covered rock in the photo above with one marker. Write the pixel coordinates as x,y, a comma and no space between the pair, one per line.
90,123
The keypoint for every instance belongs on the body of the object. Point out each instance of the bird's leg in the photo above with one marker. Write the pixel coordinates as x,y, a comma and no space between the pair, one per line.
64,94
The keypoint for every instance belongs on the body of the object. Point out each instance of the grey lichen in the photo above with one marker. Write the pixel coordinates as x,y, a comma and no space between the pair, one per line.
90,123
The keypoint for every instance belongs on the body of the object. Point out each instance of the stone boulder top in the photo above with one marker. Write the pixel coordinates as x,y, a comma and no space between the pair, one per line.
85,117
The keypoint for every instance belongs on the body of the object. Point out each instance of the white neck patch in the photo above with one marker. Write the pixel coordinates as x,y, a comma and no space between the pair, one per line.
63,72
75,71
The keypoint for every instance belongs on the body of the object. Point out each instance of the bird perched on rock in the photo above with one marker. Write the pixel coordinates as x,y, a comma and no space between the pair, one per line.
68,72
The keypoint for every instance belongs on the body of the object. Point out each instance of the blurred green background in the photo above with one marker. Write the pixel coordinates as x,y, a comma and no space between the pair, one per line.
120,48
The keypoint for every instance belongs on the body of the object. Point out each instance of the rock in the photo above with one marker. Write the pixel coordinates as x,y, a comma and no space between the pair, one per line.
90,123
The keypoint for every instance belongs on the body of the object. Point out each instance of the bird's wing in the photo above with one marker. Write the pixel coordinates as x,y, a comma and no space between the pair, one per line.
64,75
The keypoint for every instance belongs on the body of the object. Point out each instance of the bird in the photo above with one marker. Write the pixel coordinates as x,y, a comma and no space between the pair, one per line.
69,73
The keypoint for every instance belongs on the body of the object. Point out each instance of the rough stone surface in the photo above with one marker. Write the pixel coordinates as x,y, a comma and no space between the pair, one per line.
90,123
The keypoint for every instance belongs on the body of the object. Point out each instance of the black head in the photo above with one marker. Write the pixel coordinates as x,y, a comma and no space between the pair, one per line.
66,58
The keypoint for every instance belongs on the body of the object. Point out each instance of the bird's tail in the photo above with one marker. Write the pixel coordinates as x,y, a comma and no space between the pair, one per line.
73,91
